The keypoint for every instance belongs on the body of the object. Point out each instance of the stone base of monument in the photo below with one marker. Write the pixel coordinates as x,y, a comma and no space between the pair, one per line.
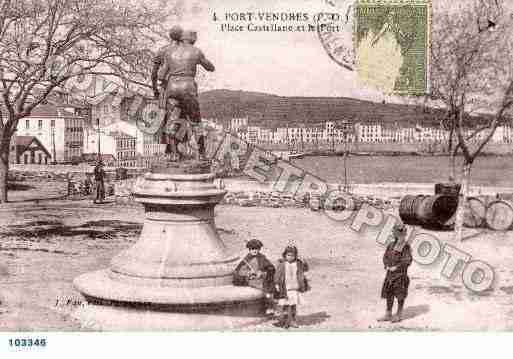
179,273
114,318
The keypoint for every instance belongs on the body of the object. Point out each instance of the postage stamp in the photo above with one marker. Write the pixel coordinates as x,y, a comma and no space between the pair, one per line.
392,44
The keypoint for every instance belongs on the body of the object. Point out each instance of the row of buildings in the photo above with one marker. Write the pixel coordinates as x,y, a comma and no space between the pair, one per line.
63,132
354,131
66,132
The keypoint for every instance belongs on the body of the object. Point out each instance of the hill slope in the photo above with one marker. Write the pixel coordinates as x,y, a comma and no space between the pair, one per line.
272,110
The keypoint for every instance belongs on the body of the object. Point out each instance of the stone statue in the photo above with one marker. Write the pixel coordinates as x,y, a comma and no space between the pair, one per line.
174,85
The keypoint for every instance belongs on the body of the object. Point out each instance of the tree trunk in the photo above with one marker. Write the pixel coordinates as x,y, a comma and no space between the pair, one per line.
453,165
451,134
465,180
452,153
4,168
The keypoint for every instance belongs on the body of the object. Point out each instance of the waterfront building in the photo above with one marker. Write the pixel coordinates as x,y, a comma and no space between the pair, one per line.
369,132
126,154
58,128
238,123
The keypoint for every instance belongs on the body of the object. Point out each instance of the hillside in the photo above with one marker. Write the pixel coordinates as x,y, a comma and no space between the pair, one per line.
272,110
226,104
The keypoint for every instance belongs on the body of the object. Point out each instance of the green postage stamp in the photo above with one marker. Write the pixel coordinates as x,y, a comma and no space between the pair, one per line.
391,42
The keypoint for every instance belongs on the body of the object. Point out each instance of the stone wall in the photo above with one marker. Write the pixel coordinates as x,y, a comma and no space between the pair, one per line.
252,197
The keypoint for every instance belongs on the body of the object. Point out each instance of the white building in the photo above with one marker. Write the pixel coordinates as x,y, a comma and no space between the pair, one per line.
369,132
28,149
280,135
104,136
145,145
125,149
110,111
238,123
265,135
58,129
212,123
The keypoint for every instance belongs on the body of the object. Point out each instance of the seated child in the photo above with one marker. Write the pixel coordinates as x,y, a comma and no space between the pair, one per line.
256,271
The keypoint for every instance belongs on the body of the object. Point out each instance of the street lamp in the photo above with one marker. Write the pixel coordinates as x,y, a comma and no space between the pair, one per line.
54,152
99,148
345,130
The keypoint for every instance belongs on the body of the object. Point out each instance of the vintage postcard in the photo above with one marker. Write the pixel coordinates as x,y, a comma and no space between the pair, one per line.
306,165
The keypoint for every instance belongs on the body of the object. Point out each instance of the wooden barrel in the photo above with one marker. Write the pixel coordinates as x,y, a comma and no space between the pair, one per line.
499,215
449,189
474,212
407,208
449,224
436,210
315,202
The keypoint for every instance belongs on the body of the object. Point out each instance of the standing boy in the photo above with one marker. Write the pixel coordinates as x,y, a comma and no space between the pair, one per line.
397,259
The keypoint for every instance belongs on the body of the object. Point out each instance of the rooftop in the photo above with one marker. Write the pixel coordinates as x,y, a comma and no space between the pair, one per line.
23,142
51,110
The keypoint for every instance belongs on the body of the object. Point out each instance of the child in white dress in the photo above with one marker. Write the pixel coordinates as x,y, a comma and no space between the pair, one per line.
290,282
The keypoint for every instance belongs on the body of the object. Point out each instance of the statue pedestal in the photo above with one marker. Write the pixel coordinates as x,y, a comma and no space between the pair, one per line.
179,264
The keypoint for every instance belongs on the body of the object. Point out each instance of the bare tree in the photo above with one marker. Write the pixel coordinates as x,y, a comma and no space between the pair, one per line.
47,45
472,75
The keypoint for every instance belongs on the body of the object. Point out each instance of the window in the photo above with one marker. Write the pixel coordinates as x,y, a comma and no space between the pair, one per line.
27,124
39,124
52,123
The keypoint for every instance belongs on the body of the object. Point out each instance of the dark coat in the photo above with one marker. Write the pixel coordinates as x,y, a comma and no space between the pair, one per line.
243,273
99,173
279,278
396,282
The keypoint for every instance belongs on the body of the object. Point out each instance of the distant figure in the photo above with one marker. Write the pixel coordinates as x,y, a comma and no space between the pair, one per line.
70,186
88,184
290,282
99,178
397,259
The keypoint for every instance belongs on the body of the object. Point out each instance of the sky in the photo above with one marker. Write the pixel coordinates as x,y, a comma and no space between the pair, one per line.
286,64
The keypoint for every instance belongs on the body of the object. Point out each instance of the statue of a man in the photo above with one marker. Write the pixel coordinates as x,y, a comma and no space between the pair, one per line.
175,68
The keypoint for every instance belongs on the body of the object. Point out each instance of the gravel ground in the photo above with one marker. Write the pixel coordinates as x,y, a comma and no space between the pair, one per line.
45,245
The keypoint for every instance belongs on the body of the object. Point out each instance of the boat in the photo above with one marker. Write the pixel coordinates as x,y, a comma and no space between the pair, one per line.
295,155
